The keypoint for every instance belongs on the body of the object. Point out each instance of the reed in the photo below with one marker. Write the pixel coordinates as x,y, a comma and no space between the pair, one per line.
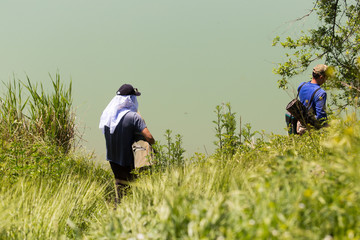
287,187
40,208
51,115
46,116
12,119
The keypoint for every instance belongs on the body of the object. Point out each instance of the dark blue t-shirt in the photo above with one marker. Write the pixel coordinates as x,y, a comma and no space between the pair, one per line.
319,102
119,144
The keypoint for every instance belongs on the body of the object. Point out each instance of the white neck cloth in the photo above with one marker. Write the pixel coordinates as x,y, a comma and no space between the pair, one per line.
116,110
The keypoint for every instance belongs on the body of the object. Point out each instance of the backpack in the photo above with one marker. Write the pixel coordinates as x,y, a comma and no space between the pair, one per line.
303,113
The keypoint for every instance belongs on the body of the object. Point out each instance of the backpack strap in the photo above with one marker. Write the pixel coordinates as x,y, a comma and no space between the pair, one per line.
312,98
297,96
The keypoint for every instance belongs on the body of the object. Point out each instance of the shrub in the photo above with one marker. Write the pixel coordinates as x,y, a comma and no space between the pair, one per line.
46,116
289,187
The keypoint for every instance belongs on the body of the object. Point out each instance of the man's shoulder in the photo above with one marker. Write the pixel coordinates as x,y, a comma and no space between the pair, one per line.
310,86
131,114
132,117
302,85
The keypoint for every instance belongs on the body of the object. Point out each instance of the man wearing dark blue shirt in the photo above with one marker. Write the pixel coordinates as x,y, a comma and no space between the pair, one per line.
318,103
120,123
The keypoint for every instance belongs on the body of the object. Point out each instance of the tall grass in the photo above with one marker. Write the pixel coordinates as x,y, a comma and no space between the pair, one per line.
48,190
46,116
293,187
37,129
51,115
289,188
39,208
11,110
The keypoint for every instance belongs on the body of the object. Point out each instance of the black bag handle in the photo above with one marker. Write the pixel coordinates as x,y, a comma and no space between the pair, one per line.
312,97
297,96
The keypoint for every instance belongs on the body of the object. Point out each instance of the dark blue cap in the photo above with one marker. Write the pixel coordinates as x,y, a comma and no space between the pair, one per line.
128,89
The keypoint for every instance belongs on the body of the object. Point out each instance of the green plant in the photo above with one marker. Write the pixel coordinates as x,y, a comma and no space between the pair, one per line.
225,127
41,208
46,116
286,188
228,141
12,119
171,153
51,114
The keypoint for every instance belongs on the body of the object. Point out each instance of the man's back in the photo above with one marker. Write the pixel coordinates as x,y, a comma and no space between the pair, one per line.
318,104
119,144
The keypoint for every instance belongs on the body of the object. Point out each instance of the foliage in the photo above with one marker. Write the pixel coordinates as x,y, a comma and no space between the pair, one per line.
287,188
171,153
225,127
41,116
11,111
228,142
335,41
50,208
51,115
47,190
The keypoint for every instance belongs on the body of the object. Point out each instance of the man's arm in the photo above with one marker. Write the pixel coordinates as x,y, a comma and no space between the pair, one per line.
320,106
147,135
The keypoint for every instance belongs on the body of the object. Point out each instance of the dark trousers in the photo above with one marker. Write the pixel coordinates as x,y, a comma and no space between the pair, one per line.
123,176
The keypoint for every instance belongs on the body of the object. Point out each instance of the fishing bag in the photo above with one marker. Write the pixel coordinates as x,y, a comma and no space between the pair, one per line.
143,152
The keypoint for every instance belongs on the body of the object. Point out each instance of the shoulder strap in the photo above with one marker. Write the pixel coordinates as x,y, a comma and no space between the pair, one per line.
312,98
300,89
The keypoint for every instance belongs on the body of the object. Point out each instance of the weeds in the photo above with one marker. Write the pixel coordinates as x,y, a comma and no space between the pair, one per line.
40,208
47,191
51,116
171,153
228,141
46,116
288,187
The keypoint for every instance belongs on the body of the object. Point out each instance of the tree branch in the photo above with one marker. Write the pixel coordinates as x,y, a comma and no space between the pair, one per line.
309,13
334,22
350,86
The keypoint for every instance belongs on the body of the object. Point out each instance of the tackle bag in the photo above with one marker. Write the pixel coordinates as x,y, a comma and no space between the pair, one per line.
143,153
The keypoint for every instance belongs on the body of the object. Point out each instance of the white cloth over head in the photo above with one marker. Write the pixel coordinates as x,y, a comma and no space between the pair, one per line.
116,110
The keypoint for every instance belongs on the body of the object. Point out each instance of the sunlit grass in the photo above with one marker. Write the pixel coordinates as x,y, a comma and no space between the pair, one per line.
37,114
44,209
282,190
293,187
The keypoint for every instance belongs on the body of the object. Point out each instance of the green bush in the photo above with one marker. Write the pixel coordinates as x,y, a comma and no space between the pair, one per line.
46,208
46,116
47,189
287,188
